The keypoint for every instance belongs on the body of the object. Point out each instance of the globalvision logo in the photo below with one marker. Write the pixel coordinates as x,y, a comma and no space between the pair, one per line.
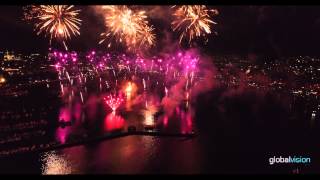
289,160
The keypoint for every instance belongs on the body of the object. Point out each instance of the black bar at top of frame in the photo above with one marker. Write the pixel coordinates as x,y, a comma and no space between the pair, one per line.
161,2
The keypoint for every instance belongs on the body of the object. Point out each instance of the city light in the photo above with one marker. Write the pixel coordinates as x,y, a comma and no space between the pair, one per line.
2,80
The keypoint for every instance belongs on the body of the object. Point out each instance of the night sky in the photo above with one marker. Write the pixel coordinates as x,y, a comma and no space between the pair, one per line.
266,30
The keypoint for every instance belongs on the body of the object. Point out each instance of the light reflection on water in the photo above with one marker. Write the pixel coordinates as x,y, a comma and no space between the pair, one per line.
53,163
128,155
152,105
62,134
153,102
113,122
157,100
142,154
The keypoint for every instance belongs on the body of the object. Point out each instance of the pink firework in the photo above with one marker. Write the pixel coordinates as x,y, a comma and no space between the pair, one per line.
64,57
113,101
91,56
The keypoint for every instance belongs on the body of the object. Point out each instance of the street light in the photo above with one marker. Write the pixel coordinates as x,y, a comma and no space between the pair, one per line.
2,80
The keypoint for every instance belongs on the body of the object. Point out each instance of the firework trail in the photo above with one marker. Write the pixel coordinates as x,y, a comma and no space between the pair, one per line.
58,21
127,27
193,21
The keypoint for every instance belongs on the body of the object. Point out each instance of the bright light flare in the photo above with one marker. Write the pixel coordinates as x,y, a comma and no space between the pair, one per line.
149,115
2,80
130,89
151,107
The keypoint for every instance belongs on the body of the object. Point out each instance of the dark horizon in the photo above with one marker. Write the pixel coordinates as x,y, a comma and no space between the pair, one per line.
262,30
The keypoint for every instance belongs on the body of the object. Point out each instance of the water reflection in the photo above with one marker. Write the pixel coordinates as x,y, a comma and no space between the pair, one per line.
55,164
152,99
113,122
148,117
130,154
151,107
139,94
71,113
62,134
77,112
65,114
186,121
180,119
92,107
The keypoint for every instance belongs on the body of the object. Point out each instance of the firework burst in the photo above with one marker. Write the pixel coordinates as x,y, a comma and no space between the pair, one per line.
127,27
193,21
147,36
113,101
58,21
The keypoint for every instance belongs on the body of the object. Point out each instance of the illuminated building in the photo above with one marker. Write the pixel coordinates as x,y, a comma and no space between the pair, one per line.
8,56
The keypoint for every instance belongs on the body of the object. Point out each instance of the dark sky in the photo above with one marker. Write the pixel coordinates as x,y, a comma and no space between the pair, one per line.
268,30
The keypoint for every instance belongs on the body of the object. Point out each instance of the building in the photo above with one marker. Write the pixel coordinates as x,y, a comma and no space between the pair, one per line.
8,56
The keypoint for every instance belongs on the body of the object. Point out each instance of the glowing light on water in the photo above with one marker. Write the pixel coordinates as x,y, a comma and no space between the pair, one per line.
62,134
55,164
172,67
185,120
165,120
148,113
149,118
65,115
113,122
